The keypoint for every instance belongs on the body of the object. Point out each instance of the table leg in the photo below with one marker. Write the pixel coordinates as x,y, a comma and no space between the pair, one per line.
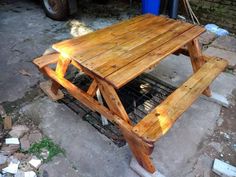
61,69
99,97
139,148
197,59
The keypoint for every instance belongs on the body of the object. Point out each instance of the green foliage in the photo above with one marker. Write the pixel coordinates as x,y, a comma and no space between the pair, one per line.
45,144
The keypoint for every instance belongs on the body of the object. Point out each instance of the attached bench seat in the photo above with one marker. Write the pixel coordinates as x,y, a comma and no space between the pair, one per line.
46,60
161,119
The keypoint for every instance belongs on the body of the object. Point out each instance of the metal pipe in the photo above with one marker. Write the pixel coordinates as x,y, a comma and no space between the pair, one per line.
174,9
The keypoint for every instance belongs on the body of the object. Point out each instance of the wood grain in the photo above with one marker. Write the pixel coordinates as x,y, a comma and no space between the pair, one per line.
146,41
159,121
61,68
92,88
197,60
45,60
138,66
92,46
113,100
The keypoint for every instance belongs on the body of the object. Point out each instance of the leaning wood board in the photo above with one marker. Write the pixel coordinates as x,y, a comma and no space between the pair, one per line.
121,52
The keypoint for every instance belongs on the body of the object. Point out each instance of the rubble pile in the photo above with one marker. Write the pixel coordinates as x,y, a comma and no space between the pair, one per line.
15,142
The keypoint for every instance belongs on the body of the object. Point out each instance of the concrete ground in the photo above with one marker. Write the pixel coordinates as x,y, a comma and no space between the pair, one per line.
185,151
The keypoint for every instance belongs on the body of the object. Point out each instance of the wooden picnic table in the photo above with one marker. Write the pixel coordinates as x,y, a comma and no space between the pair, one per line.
118,54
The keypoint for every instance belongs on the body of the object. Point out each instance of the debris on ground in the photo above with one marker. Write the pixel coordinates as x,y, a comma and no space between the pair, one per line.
24,72
217,30
35,162
9,149
18,131
7,123
12,141
223,169
2,111
18,149
24,143
12,166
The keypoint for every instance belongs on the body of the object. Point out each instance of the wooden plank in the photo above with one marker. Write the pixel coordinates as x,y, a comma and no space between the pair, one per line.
92,88
46,88
166,108
159,121
123,43
197,59
61,68
137,149
46,60
98,45
80,45
165,33
138,66
107,62
116,29
112,100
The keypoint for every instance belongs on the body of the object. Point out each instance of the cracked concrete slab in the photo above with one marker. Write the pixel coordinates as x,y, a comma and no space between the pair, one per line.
176,69
228,55
226,43
88,150
59,166
94,155
25,34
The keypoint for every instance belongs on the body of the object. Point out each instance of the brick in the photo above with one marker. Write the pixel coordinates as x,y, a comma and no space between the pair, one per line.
7,123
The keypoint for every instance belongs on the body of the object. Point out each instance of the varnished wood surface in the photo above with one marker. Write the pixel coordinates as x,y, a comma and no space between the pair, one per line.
45,60
115,55
161,119
121,52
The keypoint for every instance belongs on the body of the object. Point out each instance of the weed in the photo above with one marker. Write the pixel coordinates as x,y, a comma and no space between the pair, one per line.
47,144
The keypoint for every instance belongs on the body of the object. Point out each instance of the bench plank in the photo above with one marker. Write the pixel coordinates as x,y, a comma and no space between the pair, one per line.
46,60
160,120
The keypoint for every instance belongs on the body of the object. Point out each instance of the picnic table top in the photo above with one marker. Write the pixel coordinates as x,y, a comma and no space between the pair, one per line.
123,51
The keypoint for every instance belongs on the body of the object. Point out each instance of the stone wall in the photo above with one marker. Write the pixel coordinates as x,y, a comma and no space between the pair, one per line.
220,12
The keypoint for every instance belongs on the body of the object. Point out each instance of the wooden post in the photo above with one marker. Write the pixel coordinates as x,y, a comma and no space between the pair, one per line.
61,68
139,150
137,146
92,88
197,59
